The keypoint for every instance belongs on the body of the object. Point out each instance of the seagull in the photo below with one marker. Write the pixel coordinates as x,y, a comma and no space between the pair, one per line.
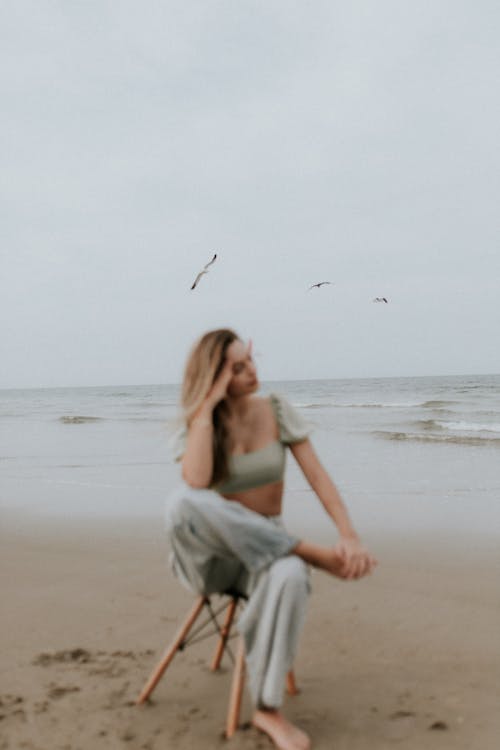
205,270
320,284
381,299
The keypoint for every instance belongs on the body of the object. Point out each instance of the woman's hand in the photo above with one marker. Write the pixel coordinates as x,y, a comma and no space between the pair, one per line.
218,391
356,560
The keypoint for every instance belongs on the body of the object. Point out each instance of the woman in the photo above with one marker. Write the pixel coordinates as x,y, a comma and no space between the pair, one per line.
225,525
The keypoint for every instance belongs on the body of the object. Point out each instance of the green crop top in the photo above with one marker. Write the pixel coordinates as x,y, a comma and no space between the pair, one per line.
265,465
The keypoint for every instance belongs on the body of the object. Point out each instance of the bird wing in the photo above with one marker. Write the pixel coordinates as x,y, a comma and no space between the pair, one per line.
210,262
198,278
320,284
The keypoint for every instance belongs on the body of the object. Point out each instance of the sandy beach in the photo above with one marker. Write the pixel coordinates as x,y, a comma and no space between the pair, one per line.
407,657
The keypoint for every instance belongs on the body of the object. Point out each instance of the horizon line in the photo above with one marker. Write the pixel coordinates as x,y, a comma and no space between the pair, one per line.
273,380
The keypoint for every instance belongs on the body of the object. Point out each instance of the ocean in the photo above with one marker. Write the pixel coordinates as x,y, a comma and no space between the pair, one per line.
407,454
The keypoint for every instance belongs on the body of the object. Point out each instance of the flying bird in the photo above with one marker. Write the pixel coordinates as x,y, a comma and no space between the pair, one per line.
202,273
381,299
320,284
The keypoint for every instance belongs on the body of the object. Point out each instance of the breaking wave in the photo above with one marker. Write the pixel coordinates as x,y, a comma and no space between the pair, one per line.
78,419
437,438
360,405
436,404
470,426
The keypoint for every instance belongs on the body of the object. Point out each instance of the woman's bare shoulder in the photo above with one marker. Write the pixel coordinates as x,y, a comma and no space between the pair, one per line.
264,412
262,403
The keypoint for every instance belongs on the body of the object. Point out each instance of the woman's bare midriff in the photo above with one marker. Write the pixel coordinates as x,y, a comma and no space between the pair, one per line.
265,500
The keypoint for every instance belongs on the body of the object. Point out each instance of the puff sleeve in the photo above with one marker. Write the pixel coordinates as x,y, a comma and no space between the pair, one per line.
293,427
178,443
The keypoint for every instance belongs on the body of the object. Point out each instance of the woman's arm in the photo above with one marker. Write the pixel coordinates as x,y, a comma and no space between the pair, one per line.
357,561
197,461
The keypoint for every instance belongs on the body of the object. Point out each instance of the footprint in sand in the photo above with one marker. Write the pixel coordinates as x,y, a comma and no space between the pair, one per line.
123,655
116,698
127,736
83,656
78,655
439,726
41,707
401,715
6,701
58,691
11,706
109,670
399,725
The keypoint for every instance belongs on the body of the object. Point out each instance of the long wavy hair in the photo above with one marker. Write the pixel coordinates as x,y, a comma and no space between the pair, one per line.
203,365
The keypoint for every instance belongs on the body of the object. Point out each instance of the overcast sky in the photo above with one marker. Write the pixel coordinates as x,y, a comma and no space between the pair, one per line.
354,142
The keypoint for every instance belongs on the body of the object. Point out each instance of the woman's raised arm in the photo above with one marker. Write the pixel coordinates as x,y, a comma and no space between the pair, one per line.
197,461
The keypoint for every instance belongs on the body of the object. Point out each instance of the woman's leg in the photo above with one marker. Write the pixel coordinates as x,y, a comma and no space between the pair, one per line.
214,540
218,544
271,624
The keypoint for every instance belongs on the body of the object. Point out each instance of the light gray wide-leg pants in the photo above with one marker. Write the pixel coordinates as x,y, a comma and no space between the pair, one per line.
219,545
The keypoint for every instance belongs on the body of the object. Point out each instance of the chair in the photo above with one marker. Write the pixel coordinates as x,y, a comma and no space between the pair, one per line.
184,638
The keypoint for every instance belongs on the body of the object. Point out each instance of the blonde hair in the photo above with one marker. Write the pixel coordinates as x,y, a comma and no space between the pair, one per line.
203,365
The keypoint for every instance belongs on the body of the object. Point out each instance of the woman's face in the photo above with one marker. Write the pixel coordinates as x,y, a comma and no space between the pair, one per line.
244,380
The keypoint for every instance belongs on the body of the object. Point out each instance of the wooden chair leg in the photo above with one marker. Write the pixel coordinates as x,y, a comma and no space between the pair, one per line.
171,650
291,686
225,631
233,713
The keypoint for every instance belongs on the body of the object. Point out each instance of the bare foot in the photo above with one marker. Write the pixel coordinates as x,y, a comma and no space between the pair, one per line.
325,558
329,560
284,734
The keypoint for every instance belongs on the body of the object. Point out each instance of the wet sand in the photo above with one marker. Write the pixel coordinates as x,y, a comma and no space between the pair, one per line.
408,657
